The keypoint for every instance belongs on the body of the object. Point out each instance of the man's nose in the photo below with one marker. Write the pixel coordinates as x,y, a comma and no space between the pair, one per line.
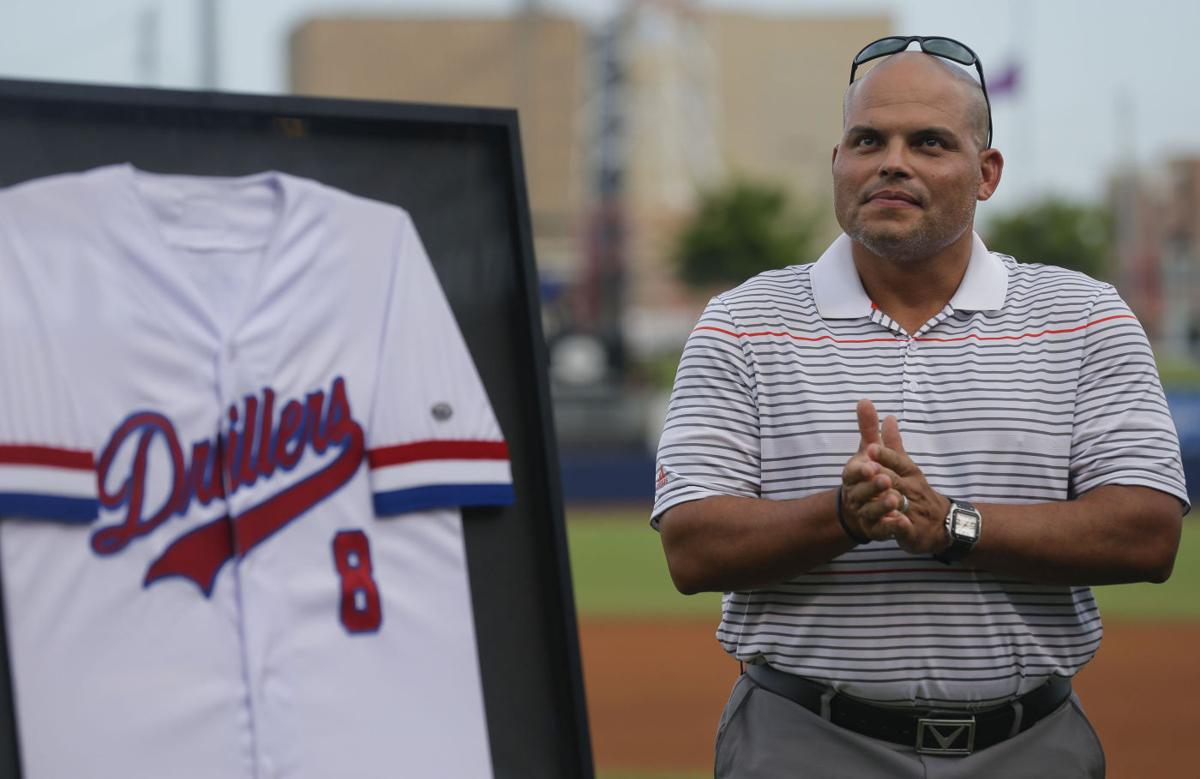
895,162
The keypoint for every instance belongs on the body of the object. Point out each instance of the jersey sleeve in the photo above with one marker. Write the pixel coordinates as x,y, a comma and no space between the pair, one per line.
433,440
47,468
710,440
1123,432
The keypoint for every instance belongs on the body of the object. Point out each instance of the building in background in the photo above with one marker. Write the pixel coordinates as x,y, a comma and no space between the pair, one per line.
1180,331
1158,252
532,61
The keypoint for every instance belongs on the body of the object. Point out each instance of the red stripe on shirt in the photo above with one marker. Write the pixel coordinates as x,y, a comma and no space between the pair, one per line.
46,455
437,450
967,337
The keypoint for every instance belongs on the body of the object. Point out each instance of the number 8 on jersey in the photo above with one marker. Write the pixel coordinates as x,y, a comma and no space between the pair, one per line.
360,610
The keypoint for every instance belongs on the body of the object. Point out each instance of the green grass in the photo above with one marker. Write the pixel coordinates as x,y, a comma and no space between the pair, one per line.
1178,374
1177,599
619,571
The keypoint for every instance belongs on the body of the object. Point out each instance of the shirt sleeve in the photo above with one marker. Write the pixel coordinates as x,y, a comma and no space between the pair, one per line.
710,440
1123,432
433,440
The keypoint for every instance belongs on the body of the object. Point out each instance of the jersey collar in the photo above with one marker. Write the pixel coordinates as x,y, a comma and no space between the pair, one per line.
839,293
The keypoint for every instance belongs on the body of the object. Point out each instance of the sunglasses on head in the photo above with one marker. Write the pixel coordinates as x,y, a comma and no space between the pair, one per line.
946,48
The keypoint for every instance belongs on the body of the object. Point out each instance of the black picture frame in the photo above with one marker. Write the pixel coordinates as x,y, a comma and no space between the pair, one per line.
458,171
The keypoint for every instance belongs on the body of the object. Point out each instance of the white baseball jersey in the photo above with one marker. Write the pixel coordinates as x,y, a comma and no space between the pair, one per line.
237,420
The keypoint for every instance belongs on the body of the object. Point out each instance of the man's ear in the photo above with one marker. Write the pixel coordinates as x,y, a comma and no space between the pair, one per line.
991,167
835,151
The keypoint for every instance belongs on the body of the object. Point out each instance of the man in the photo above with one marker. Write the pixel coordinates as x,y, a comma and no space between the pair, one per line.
911,599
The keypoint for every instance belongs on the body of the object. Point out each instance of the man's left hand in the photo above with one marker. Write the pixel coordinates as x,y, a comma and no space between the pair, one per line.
922,528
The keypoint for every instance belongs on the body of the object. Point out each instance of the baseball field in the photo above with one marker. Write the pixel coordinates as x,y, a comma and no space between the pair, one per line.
656,679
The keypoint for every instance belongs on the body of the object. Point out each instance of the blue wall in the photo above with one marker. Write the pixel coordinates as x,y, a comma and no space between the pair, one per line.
602,475
1185,409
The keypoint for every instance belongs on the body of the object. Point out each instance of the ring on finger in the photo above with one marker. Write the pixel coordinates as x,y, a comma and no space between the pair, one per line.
903,509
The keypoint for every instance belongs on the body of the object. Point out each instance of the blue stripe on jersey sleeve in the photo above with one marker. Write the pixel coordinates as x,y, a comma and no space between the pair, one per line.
26,505
442,496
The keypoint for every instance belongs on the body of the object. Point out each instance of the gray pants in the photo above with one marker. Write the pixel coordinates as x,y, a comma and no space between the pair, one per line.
765,736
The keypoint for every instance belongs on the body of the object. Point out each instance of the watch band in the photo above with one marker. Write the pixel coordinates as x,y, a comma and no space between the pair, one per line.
962,539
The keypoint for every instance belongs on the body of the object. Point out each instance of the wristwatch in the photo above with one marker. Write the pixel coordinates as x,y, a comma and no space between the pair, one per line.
964,524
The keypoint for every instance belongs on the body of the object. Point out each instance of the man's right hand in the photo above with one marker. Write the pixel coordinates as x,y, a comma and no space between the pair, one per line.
867,494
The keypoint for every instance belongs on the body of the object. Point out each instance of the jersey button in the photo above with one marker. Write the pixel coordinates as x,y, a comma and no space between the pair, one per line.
910,385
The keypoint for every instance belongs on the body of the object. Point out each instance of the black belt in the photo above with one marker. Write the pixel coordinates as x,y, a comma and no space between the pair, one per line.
929,731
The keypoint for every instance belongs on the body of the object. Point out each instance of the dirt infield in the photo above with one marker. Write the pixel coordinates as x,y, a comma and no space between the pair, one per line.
656,688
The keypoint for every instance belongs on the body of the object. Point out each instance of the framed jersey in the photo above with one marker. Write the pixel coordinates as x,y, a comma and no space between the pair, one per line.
275,497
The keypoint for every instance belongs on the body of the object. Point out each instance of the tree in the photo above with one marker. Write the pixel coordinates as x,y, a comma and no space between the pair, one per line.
742,228
1057,232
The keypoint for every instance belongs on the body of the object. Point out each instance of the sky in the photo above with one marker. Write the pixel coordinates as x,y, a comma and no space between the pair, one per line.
1104,83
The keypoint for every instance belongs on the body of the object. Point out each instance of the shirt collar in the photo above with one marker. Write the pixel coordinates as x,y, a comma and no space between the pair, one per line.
839,293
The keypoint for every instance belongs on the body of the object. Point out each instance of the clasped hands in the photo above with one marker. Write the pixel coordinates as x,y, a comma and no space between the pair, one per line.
879,479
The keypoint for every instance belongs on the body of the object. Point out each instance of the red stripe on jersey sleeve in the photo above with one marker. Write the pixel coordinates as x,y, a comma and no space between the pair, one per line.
437,450
46,455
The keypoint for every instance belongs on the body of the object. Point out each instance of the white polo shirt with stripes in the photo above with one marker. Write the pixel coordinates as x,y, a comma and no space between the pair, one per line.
1033,384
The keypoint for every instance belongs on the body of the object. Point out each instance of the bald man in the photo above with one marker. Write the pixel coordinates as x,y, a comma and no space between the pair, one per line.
910,597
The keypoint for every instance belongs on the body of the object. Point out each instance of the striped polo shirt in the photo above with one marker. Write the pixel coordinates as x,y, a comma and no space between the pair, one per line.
1033,384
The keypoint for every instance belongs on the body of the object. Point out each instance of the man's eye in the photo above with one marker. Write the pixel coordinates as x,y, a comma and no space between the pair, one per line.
866,140
932,143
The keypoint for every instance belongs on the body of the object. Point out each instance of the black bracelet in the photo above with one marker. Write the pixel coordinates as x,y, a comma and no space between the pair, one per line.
855,537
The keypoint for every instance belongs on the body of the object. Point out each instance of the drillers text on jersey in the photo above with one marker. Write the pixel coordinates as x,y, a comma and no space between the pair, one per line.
255,445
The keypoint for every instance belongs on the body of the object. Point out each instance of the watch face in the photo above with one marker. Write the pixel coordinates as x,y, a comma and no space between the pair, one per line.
966,525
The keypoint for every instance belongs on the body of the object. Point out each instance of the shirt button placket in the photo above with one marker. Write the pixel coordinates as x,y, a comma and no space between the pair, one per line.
911,385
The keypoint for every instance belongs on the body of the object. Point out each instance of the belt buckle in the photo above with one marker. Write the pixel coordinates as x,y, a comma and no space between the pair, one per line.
946,735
